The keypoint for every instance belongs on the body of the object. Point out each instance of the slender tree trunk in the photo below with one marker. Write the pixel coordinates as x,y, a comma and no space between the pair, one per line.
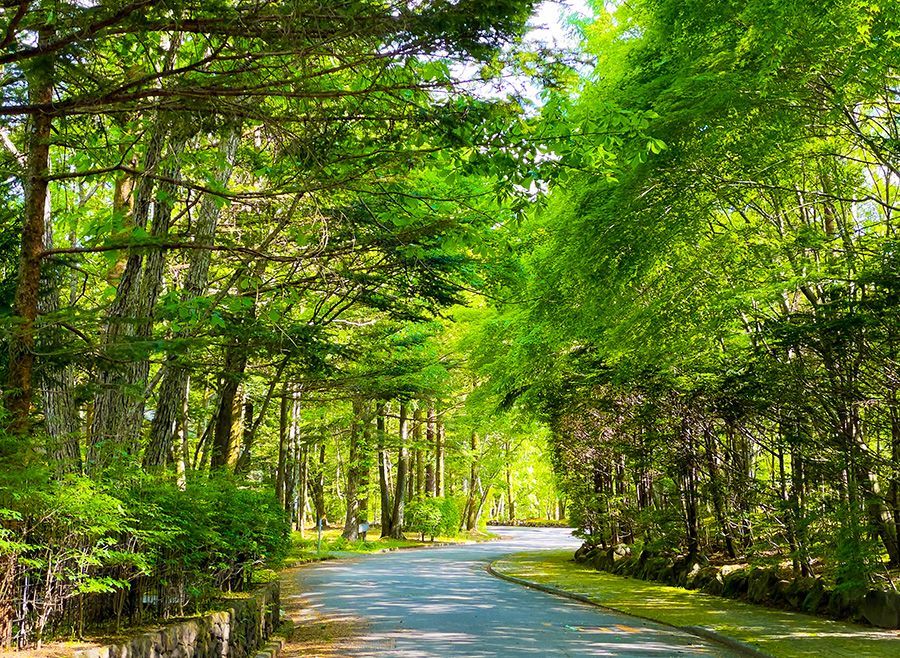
317,486
510,494
471,505
717,490
431,443
351,521
439,481
402,475
300,514
281,472
384,475
420,457
365,466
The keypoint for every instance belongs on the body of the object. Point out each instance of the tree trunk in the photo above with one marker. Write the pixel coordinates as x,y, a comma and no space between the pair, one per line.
317,486
397,520
420,456
384,475
351,521
176,378
224,444
303,482
471,504
281,472
439,481
122,374
20,371
57,376
510,494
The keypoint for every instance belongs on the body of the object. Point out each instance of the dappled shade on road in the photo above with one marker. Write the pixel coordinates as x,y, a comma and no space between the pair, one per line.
444,603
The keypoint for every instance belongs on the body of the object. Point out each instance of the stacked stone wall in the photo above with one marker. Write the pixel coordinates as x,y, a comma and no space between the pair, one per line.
233,633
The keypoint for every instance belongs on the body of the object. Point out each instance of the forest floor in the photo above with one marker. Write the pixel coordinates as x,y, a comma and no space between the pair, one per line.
777,633
304,546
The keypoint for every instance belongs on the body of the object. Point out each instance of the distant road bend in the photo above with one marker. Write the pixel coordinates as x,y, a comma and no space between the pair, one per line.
442,603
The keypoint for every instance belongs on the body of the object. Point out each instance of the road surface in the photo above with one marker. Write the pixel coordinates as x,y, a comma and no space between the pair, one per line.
442,603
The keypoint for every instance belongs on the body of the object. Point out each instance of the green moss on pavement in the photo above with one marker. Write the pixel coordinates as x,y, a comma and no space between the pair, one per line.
775,632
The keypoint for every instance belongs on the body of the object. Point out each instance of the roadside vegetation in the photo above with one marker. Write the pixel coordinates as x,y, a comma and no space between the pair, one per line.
266,265
776,633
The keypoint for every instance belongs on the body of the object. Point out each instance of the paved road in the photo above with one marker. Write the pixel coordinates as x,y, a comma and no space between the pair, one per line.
441,603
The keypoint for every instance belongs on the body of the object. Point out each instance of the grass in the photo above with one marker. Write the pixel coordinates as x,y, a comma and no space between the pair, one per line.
776,632
304,546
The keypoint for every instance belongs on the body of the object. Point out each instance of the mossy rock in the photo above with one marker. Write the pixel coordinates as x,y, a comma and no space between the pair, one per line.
583,554
701,576
797,591
816,599
715,586
762,586
735,584
846,602
881,609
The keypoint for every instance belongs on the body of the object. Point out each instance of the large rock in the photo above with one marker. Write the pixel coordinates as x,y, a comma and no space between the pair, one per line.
734,583
881,609
816,599
846,602
762,585
797,591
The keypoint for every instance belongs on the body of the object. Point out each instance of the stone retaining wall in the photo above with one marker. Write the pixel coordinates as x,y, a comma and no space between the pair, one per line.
765,586
234,633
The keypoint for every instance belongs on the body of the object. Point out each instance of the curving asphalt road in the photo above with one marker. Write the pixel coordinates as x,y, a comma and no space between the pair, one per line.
441,603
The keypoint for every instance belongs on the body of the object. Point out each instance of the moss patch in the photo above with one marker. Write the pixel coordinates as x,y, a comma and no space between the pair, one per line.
775,632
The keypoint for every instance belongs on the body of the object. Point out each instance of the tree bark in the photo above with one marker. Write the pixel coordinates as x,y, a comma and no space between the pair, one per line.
397,520
351,494
472,504
420,456
176,378
116,423
384,475
440,486
20,371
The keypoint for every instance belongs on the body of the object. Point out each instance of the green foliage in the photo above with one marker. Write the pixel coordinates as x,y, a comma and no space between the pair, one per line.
76,537
425,516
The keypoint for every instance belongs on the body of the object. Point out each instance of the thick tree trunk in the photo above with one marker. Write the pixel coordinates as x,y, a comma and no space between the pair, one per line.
20,373
223,451
121,372
397,520
57,376
175,382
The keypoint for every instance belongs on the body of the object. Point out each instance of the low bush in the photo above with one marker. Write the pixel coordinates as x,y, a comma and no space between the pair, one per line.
77,552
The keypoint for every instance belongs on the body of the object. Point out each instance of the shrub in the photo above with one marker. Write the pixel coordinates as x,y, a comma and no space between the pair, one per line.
425,517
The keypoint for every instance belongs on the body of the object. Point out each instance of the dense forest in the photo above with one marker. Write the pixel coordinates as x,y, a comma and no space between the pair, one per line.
268,264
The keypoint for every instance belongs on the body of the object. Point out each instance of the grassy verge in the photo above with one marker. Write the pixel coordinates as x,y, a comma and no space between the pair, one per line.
775,632
304,547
